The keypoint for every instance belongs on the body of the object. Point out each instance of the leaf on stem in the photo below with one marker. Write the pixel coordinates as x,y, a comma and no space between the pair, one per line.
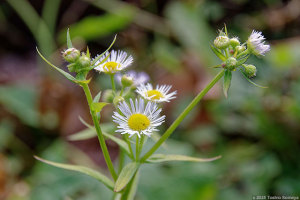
69,42
218,53
157,158
85,170
85,134
97,97
98,106
125,176
243,60
99,56
227,82
250,81
67,75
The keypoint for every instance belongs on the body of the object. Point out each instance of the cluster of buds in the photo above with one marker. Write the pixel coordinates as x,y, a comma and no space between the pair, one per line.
80,64
234,54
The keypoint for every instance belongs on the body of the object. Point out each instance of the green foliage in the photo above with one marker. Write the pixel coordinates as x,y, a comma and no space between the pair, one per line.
85,170
157,158
125,176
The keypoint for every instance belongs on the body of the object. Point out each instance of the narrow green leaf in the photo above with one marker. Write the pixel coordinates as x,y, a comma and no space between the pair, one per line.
104,127
134,186
83,135
120,142
69,41
125,176
97,97
98,106
83,81
227,82
88,52
250,81
157,158
225,28
218,53
67,75
85,170
99,56
243,60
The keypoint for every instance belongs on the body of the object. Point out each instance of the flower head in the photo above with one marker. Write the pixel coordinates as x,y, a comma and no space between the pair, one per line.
138,78
159,94
256,43
113,62
138,118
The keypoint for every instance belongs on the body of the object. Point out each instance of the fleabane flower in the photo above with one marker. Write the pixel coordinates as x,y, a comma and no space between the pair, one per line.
138,118
113,62
159,94
256,43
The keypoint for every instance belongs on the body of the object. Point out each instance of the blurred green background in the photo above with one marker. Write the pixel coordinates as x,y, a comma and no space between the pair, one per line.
255,130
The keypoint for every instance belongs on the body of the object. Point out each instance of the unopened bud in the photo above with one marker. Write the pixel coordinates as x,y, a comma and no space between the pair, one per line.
71,55
221,42
234,42
117,100
250,70
84,61
240,49
108,96
231,63
126,81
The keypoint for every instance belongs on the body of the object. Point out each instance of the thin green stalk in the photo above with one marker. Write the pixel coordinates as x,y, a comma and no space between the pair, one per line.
113,86
179,119
99,132
122,90
140,145
129,146
137,148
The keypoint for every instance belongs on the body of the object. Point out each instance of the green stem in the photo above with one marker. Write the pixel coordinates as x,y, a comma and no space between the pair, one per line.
129,146
113,86
141,145
99,132
122,90
179,119
137,148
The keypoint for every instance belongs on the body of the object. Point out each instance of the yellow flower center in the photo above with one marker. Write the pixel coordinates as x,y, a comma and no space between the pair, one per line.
154,94
111,66
138,122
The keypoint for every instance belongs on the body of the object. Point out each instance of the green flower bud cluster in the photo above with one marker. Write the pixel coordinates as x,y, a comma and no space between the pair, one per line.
78,63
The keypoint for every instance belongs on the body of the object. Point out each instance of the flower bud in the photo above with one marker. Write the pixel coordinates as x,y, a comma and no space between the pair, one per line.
234,42
231,63
240,49
221,42
108,96
117,100
71,55
84,61
126,81
250,70
72,67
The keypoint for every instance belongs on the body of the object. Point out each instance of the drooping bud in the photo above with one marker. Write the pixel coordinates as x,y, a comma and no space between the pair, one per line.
108,96
71,55
221,42
250,70
234,42
84,60
231,63
126,81
117,100
240,49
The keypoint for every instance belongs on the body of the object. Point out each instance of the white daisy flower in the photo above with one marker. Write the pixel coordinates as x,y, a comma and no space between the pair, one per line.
115,62
138,78
138,119
256,43
160,94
